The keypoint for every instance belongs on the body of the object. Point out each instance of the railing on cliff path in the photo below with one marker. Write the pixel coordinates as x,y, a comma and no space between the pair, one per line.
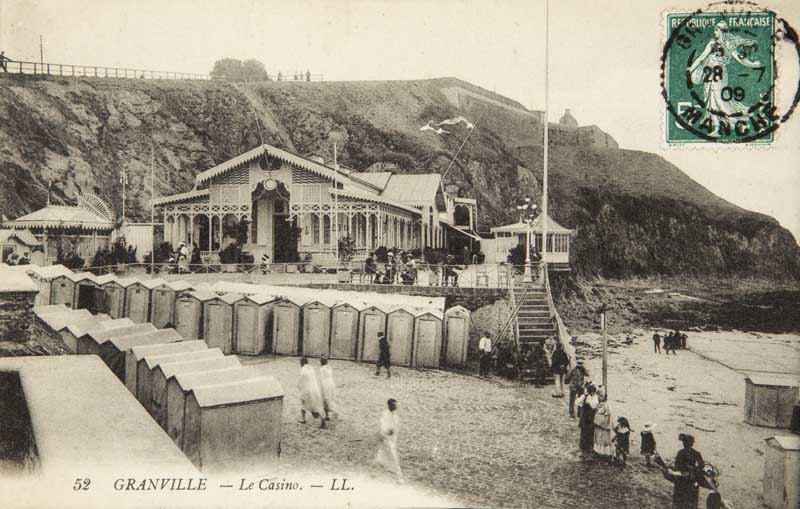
93,71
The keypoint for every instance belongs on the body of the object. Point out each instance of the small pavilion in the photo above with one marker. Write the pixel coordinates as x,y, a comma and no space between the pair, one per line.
509,236
84,228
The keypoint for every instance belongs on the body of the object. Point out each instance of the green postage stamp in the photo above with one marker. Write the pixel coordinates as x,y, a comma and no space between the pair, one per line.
719,76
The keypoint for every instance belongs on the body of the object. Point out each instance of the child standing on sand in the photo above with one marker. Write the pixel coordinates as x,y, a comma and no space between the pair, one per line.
648,442
622,440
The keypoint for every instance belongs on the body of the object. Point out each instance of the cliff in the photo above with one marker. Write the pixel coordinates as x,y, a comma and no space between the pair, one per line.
635,213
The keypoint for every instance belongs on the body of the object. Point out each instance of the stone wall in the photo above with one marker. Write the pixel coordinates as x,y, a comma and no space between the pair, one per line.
17,294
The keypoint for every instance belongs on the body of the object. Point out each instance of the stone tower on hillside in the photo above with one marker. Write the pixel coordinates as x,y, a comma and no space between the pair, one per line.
568,121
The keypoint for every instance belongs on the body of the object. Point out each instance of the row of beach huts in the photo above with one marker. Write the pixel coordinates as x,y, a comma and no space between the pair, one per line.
221,414
251,319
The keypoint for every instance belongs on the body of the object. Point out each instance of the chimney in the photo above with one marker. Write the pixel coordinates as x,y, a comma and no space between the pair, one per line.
317,158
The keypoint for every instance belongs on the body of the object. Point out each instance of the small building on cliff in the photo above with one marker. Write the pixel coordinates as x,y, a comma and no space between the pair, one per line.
292,207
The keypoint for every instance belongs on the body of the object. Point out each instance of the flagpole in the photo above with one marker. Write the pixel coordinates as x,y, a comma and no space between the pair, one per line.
124,181
336,209
546,135
153,213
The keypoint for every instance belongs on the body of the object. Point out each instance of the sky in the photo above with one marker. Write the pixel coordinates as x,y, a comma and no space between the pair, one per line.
603,61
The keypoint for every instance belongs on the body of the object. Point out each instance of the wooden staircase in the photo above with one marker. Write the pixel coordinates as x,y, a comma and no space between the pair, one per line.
534,324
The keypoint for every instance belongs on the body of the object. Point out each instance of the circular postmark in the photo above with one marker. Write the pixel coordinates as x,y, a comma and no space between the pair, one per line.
719,74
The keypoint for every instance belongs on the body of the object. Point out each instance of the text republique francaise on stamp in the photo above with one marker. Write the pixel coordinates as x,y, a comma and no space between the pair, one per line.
719,75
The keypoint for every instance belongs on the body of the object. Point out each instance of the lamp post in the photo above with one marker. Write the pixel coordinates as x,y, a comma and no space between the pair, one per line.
527,214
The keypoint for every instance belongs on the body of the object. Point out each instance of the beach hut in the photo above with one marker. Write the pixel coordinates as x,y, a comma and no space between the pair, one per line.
344,329
317,327
427,349
137,299
49,309
162,311
456,336
63,329
372,320
286,326
400,332
165,370
73,331
137,353
90,342
189,313
57,321
86,287
253,324
180,384
114,302
63,288
218,321
43,277
99,293
147,365
769,400
114,350
782,472
234,426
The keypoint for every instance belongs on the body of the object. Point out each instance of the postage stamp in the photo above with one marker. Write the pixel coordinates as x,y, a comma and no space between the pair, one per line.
719,77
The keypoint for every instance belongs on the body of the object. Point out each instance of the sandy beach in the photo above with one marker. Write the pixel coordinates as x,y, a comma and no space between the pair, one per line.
699,391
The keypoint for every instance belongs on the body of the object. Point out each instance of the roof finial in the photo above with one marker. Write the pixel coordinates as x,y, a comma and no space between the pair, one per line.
48,192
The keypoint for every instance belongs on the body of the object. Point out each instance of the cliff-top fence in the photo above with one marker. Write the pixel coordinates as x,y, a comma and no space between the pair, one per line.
91,71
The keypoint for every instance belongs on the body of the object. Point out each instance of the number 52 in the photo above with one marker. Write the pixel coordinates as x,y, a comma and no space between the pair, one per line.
81,484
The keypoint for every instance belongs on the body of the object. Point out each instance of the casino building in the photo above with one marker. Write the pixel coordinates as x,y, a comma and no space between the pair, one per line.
293,206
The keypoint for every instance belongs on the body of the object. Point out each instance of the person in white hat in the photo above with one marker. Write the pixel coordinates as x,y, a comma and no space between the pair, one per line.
648,448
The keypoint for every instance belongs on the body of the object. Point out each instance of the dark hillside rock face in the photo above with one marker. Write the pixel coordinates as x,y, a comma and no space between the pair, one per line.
635,213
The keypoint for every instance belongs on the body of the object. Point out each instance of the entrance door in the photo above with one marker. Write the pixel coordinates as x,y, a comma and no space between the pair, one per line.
315,339
373,324
284,331
426,344
343,339
455,341
218,331
246,325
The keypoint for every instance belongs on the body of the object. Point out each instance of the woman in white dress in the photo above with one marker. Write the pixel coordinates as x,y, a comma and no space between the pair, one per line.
387,455
310,396
603,427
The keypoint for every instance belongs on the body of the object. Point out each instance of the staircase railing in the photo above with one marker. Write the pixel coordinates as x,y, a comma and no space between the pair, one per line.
562,334
512,323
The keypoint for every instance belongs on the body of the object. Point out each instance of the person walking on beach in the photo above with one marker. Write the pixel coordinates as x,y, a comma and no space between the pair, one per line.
575,378
387,456
587,406
656,343
327,387
648,446
485,354
602,426
385,355
559,362
310,397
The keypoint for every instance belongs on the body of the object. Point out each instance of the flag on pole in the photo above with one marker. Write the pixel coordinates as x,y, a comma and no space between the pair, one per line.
430,126
457,120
